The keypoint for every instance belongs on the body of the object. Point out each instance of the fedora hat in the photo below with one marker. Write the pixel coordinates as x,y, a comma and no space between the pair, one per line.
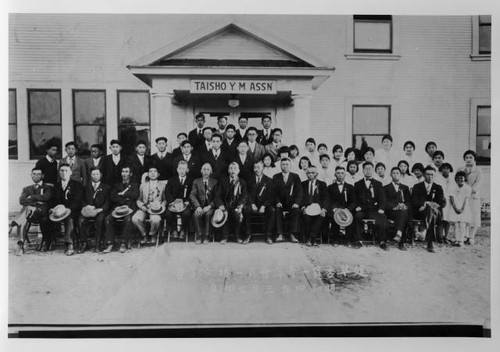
89,211
343,217
121,211
313,209
177,206
219,218
59,213
156,208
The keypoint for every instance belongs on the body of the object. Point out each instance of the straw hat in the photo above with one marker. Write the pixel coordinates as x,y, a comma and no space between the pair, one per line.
59,213
343,217
121,211
156,208
89,211
313,209
177,206
219,218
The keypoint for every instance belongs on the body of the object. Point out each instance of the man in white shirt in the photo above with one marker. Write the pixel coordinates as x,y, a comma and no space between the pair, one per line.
266,134
241,133
325,172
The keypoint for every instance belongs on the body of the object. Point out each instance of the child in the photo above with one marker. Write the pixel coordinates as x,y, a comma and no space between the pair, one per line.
459,213
322,149
446,181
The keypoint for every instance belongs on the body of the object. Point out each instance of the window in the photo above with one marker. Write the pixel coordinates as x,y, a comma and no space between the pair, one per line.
44,118
89,113
372,34
12,124
369,124
483,134
481,38
133,119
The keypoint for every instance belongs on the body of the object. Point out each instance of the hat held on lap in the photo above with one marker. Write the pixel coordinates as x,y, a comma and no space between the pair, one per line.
121,211
59,213
156,208
343,217
219,218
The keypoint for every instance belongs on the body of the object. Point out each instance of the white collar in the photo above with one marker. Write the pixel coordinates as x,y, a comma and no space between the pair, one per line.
39,183
49,159
96,184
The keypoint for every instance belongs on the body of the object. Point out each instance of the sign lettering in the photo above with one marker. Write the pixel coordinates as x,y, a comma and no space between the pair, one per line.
211,86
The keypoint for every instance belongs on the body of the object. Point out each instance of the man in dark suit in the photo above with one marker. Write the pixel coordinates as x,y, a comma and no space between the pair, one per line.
274,147
221,126
398,202
255,149
179,187
112,163
314,193
193,161
139,162
370,204
78,170
288,197
95,160
181,137
69,193
341,196
260,201
206,145
217,158
48,164
196,135
34,199
202,199
96,198
244,161
265,134
230,143
122,193
241,132
163,160
428,201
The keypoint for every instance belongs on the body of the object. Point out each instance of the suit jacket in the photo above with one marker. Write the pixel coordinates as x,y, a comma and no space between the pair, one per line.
419,195
289,193
175,190
112,172
165,166
393,198
198,197
138,169
346,199
176,153
124,194
246,169
271,149
78,170
36,197
258,152
71,197
201,149
262,194
368,200
319,195
262,140
238,135
219,166
225,193
194,165
195,139
158,193
49,169
231,150
89,164
99,198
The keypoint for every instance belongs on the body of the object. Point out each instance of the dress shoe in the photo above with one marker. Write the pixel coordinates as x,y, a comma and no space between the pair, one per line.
239,240
182,235
457,244
383,245
206,240
269,241
149,239
175,234
279,238
123,248
143,240
467,241
402,246
308,244
315,243
397,238
430,248
198,241
82,248
224,241
109,248
293,239
358,244
70,250
20,250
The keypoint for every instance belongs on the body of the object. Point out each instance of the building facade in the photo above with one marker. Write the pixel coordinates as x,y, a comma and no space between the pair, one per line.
340,79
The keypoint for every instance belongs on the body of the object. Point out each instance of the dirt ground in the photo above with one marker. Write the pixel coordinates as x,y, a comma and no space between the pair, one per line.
257,283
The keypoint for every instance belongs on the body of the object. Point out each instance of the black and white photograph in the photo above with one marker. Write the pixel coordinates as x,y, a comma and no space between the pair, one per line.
249,174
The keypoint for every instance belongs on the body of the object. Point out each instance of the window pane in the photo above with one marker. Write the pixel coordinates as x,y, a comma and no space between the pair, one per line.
45,107
484,120
40,136
485,39
12,141
12,107
361,142
134,107
370,120
130,135
372,36
89,107
485,19
85,136
483,148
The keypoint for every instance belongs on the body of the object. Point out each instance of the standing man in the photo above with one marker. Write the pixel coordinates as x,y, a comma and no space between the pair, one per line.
288,192
196,135
48,164
265,134
193,161
205,146
112,164
241,133
260,201
244,161
95,160
274,147
203,201
181,137
230,143
217,158
221,126
314,194
163,160
179,187
370,204
255,149
78,171
139,162
428,201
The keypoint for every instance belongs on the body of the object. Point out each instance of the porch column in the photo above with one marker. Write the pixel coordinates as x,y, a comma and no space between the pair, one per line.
161,123
302,111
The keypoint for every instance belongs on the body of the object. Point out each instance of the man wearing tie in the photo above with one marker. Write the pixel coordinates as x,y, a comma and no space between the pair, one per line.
179,187
274,147
196,135
95,160
288,197
193,161
245,162
314,193
265,134
230,143
139,162
341,196
217,158
370,204
112,164
203,201
206,145
397,197
78,171
241,133
260,201
163,160
428,201
255,149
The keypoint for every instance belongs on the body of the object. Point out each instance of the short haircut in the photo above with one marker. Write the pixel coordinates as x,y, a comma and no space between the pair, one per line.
182,134
285,159
305,158
209,165
430,168
37,169
324,156
242,117
322,145
265,117
199,116
461,173
259,162
183,162
252,128
270,157
367,163
310,140
380,164
276,130
410,143
395,168
369,149
352,162
340,168
221,117
71,143
141,142
244,141
406,163
418,166
284,149
154,166
217,135
337,147
387,136
183,143
231,127
98,146
234,163
207,128
93,168
429,144
437,153
446,165
348,151
61,165
51,143
470,152
294,147
161,139
127,166
115,141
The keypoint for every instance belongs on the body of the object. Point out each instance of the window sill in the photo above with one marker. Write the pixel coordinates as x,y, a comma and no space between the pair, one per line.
372,56
481,57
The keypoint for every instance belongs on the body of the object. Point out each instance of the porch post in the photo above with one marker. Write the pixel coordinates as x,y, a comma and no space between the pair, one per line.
302,112
161,123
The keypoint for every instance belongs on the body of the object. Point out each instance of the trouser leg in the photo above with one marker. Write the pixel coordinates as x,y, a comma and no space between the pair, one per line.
155,221
294,220
279,220
206,217
138,221
99,227
270,221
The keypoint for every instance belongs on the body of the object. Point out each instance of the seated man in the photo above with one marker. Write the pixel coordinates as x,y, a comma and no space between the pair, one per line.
69,193
231,197
288,197
370,204
202,199
397,197
34,199
179,187
94,209
428,200
151,204
260,201
314,193
341,196
122,194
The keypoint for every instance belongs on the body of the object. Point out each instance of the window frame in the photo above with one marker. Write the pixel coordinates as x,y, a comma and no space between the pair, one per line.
474,105
476,55
357,105
30,124
118,113
16,156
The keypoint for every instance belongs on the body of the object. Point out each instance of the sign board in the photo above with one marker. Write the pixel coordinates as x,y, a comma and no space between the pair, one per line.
210,86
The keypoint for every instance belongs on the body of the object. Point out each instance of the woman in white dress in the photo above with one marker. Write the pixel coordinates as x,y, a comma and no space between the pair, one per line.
409,153
269,168
338,156
460,212
385,154
406,177
349,154
380,174
352,175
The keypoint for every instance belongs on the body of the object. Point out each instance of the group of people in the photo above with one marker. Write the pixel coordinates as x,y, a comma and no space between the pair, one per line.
225,177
